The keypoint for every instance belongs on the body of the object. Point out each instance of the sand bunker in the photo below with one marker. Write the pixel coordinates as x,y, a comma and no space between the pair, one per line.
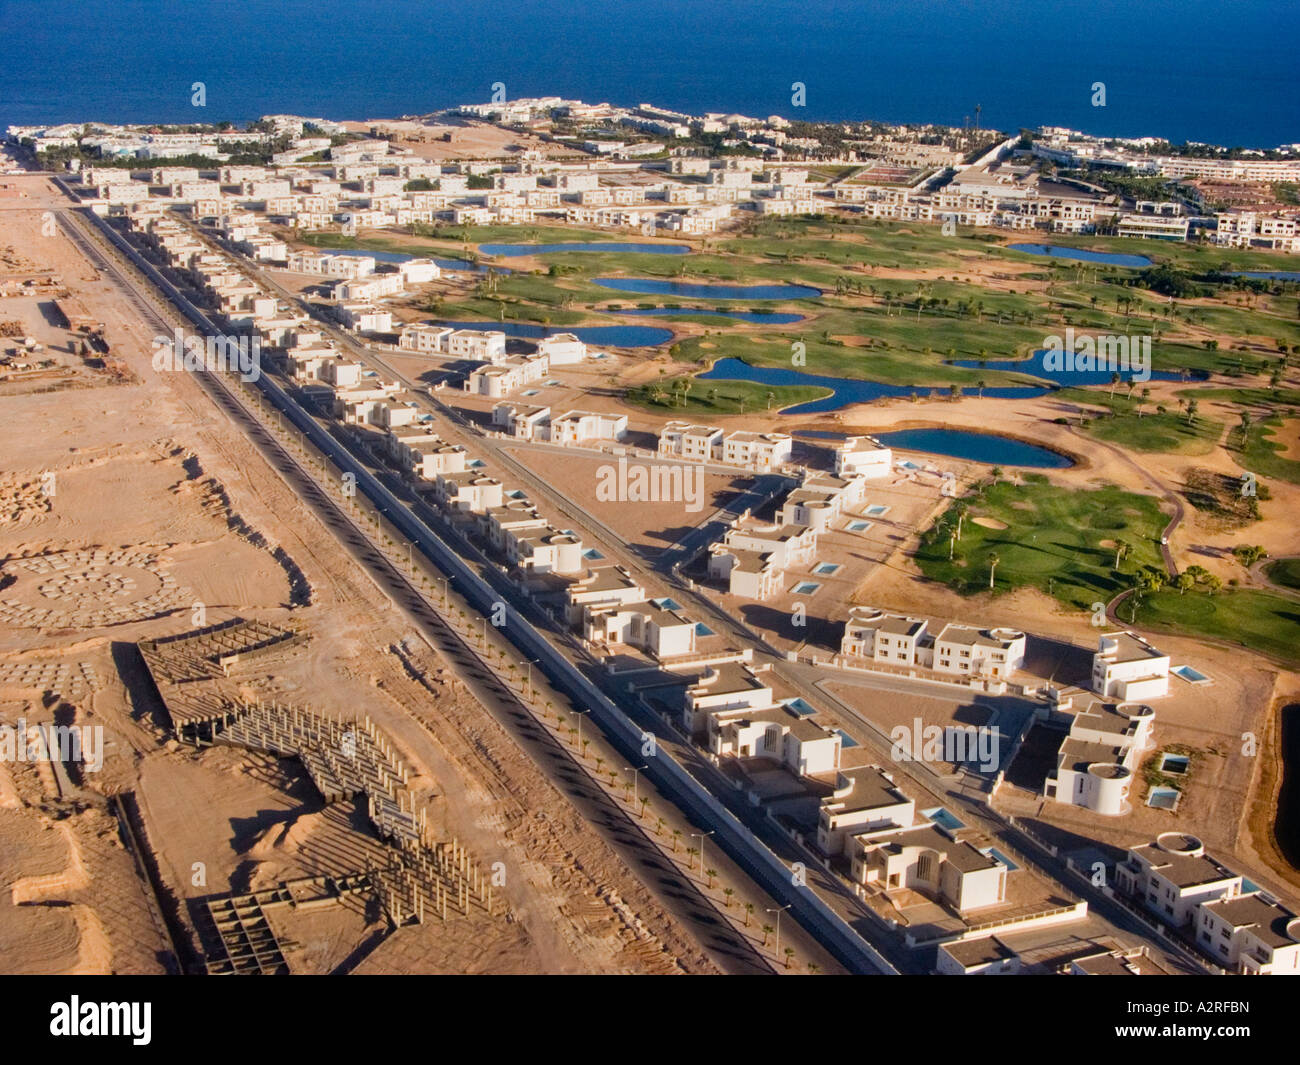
990,523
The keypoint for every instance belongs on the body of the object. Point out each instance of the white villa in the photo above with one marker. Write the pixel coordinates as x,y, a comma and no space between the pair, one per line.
1128,669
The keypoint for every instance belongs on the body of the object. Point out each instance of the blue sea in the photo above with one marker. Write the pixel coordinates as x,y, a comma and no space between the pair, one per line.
1208,70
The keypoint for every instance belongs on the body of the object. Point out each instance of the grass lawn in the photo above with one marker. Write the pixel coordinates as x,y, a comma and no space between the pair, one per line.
1168,433
1262,453
1058,540
1285,571
718,397
1262,621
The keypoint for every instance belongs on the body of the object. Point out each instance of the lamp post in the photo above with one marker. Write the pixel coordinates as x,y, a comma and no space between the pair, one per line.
778,911
702,836
636,780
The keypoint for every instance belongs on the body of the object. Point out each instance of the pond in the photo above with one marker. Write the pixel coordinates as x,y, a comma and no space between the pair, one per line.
768,317
1058,373
844,390
512,250
601,336
690,290
976,447
1269,275
1056,251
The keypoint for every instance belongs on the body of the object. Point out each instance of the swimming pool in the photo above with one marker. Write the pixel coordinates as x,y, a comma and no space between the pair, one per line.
1192,676
1163,798
845,739
702,629
877,510
826,568
941,817
798,706
998,856
859,526
1174,763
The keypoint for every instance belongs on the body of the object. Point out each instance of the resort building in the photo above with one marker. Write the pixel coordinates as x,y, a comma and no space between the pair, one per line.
1128,669
863,456
932,860
820,499
984,956
1252,934
1173,876
957,650
753,558
1097,760
865,799
776,732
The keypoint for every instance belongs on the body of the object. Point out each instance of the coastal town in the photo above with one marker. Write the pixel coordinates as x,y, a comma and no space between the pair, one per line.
437,499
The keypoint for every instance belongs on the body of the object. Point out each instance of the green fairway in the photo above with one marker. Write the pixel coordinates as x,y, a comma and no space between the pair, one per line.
1262,453
1285,571
1169,433
1058,540
1261,621
706,398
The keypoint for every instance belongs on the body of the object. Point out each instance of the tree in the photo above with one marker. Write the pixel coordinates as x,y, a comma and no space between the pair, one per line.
767,930
1213,583
994,559
1192,407
712,875
677,834
1121,549
1184,582
749,912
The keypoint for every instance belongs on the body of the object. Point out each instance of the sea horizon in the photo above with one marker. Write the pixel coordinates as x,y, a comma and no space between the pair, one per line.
1199,71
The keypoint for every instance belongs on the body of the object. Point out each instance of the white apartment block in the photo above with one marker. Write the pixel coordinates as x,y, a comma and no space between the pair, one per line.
761,452
653,626
820,499
1128,669
865,799
956,650
522,422
422,337
752,558
931,860
367,289
776,732
485,345
1173,876
863,456
500,379
326,265
695,443
1098,759
562,349
581,427
720,687
1251,934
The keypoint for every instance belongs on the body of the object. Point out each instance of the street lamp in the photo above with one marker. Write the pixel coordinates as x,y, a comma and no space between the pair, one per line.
579,714
778,911
702,836
636,779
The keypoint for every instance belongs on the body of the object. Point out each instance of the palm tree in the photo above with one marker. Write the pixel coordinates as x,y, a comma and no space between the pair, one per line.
1114,380
767,930
960,510
728,892
994,559
711,874
1121,549
677,834
749,912
1192,407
